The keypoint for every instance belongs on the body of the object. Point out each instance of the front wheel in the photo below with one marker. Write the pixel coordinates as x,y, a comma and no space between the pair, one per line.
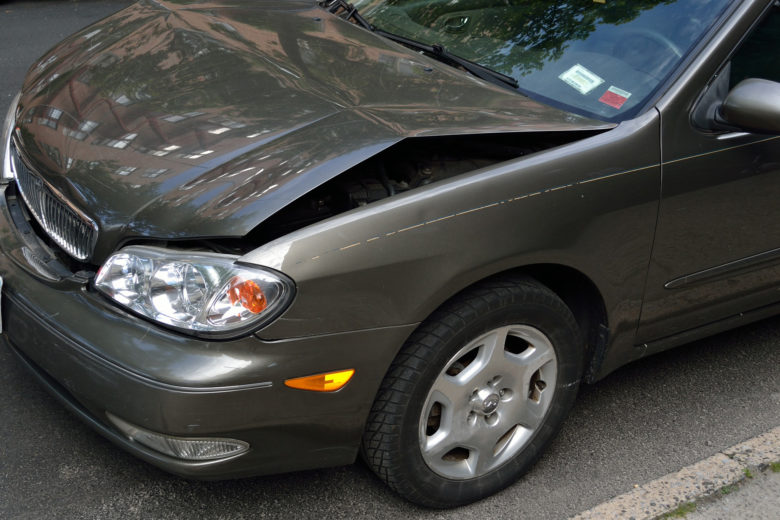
475,393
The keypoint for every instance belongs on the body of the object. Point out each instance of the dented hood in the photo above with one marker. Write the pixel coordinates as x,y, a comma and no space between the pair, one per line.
202,121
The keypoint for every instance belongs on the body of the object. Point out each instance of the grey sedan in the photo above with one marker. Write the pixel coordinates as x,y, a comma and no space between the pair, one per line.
248,237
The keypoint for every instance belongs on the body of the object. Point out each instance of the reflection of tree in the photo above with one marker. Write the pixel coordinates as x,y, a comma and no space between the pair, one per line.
533,32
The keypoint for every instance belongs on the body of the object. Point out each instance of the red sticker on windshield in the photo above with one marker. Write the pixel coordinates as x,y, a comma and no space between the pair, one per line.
615,97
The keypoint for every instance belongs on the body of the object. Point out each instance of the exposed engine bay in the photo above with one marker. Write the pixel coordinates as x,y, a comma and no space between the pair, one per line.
410,164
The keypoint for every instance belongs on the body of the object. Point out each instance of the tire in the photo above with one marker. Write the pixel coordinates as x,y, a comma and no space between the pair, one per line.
475,394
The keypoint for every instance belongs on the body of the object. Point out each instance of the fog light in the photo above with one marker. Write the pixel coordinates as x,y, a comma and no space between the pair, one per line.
186,448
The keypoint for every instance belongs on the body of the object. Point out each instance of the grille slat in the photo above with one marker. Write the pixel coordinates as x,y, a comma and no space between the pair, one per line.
69,228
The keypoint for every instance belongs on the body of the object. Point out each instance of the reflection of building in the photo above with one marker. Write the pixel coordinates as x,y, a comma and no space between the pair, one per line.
77,115
159,95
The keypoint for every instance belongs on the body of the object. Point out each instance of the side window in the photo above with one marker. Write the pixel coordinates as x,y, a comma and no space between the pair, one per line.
759,55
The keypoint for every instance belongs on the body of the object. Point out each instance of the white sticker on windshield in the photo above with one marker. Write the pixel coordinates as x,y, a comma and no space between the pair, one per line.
581,79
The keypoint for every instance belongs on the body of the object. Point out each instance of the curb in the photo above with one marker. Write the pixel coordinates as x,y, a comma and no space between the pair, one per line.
691,484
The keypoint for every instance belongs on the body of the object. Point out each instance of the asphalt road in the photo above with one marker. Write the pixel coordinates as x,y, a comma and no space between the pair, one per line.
642,422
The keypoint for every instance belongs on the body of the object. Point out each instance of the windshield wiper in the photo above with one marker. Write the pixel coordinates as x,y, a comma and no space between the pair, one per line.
442,54
349,12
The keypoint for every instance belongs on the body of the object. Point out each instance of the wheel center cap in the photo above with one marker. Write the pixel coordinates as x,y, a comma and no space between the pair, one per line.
490,404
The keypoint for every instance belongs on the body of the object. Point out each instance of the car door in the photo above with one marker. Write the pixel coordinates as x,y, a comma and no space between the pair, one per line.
717,248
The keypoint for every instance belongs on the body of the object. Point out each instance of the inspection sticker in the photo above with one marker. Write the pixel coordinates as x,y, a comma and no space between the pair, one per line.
615,97
581,79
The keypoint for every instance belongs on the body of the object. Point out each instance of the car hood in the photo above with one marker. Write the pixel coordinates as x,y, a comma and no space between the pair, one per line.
173,122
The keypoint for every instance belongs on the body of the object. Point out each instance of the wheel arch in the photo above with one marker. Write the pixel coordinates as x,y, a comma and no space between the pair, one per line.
580,294
585,301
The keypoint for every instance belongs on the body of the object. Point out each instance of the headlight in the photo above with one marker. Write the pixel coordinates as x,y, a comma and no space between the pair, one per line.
202,293
6,174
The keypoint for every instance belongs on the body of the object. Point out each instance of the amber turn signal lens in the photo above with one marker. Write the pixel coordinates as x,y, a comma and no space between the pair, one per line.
248,294
329,382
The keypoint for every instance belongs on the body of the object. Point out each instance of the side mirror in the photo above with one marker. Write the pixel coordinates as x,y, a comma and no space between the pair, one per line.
753,105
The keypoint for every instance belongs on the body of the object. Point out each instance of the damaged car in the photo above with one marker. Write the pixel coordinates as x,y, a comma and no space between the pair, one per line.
250,237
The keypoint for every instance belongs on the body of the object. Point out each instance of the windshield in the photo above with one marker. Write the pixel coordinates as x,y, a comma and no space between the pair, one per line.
599,58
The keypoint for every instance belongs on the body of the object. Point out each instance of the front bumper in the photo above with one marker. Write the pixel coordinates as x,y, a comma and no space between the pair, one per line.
96,358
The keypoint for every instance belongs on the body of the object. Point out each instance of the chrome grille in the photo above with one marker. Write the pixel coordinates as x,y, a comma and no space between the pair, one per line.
69,228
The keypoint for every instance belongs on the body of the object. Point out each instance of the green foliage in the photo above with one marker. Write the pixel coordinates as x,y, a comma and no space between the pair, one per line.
533,32
681,511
